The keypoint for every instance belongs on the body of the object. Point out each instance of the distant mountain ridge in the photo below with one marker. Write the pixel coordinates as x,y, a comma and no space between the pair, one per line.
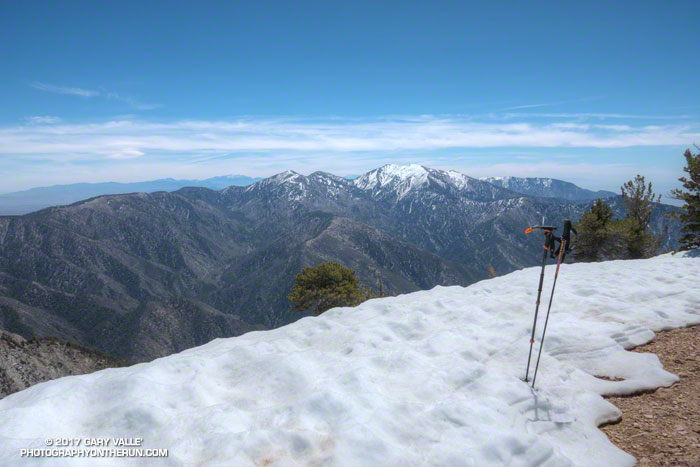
547,188
147,274
23,202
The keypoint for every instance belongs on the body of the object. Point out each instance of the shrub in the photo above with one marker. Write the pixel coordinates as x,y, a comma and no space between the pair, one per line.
326,286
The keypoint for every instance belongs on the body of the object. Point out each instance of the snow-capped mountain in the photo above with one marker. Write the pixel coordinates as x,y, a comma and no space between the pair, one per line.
144,275
394,182
388,183
296,187
432,378
547,188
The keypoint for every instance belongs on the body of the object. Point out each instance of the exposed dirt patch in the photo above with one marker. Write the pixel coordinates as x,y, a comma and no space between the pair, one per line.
607,378
663,427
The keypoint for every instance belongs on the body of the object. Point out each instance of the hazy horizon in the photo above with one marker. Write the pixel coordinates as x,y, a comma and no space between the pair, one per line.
249,176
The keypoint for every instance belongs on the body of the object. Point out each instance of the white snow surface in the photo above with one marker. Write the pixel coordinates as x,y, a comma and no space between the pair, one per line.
459,179
428,378
409,175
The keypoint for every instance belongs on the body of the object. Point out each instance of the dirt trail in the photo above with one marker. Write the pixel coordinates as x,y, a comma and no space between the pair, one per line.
663,427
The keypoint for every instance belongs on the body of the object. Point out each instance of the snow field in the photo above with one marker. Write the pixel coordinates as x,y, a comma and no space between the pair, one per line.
428,378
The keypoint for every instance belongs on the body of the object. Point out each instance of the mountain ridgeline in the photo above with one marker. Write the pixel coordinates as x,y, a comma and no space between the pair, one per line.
547,188
144,275
26,201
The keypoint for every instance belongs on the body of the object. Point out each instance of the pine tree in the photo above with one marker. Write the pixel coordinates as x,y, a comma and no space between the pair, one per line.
599,237
690,216
326,286
640,201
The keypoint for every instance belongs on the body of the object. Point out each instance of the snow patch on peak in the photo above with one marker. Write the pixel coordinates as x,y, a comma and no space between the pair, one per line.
459,179
496,179
404,171
288,176
285,176
402,177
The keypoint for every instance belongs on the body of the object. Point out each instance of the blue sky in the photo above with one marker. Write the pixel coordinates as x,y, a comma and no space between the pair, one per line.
591,92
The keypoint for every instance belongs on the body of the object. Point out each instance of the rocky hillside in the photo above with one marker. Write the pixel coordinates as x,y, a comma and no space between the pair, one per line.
144,275
24,363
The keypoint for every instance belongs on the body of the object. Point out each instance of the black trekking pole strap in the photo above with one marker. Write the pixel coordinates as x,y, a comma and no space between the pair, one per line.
566,237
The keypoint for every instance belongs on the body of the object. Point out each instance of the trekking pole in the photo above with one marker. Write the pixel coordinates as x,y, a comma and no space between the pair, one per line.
564,247
548,245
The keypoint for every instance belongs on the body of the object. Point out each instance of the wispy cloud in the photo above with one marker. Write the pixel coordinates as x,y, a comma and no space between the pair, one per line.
42,119
593,115
131,101
64,90
126,153
199,137
551,104
130,149
90,93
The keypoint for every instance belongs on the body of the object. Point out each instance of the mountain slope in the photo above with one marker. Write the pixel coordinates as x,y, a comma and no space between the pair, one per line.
547,188
88,267
428,378
144,275
22,202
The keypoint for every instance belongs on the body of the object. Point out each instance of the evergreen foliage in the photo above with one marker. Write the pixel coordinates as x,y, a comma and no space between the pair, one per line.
690,216
326,286
640,202
599,237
